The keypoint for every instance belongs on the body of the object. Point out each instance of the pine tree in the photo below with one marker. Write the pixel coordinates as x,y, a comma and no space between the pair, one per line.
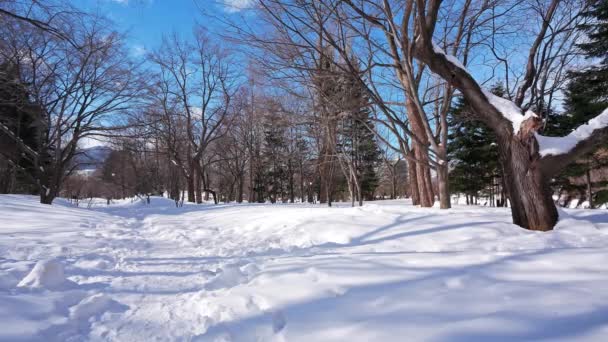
356,136
24,119
473,154
275,151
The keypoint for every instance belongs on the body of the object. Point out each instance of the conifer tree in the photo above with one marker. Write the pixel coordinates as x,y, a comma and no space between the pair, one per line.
473,154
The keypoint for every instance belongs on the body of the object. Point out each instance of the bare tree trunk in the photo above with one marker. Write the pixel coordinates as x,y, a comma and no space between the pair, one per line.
423,175
240,185
444,189
422,164
359,192
190,182
351,189
291,185
589,189
413,182
198,186
322,184
528,189
394,184
47,196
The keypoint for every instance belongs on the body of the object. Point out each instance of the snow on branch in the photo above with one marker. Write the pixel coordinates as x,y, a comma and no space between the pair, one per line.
509,110
450,58
560,145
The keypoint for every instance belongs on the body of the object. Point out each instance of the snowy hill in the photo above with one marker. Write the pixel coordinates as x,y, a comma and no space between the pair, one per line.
383,272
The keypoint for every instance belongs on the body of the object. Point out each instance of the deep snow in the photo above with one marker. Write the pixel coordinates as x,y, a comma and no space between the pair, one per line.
383,272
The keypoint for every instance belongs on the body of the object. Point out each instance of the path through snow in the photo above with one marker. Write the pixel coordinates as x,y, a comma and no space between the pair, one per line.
383,272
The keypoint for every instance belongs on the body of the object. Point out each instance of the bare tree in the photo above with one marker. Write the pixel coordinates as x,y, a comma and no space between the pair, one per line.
526,171
195,87
80,92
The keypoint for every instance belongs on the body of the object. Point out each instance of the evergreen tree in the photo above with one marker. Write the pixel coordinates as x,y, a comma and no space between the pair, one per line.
356,137
24,119
473,154
275,151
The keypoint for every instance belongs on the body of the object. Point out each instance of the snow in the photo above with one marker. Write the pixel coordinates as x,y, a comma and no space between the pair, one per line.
452,59
387,271
509,110
46,274
561,145
92,306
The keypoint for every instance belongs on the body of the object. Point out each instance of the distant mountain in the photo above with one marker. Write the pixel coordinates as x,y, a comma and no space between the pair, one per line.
92,158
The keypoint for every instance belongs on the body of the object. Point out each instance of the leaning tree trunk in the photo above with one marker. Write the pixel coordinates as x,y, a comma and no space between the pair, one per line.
527,187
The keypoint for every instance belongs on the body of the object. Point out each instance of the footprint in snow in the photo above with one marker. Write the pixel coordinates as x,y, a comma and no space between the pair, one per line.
278,321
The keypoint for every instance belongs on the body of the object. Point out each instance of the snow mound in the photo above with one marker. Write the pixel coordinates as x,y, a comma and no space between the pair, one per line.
92,306
46,274
232,275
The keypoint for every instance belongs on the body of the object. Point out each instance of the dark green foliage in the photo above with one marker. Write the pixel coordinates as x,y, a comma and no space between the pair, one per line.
472,151
276,157
24,119
356,137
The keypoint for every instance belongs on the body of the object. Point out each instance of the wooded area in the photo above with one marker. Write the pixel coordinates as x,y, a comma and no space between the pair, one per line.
502,102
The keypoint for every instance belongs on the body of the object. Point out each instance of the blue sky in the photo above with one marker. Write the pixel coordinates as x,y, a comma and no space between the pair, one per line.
145,21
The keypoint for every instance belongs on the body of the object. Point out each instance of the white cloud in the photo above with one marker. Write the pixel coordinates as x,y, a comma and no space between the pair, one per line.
237,5
138,50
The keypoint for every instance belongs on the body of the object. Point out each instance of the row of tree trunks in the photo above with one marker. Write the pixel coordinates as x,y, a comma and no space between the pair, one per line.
422,175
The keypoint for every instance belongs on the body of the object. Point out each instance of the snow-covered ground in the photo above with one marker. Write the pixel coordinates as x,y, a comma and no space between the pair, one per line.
383,272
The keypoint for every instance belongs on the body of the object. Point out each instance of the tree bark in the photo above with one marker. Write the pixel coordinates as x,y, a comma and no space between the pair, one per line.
527,187
444,188
413,182
423,169
198,186
589,189
423,173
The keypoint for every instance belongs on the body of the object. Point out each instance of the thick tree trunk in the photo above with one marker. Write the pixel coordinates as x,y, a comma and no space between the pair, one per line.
444,189
528,189
423,173
47,197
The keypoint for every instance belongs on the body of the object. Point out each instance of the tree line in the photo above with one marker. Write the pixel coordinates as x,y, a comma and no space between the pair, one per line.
336,100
